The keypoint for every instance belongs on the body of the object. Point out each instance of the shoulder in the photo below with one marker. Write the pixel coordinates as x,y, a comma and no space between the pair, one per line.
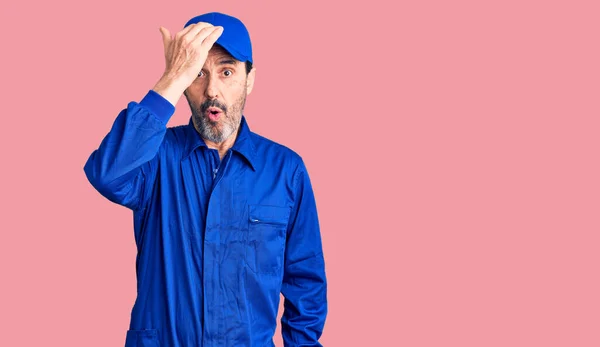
174,141
176,133
274,151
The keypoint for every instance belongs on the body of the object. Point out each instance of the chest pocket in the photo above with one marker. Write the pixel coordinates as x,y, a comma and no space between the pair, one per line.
267,227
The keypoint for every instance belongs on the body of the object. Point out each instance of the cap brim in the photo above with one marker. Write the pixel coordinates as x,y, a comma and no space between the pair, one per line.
237,55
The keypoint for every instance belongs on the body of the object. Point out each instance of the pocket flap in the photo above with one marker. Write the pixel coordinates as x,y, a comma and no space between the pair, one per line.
269,214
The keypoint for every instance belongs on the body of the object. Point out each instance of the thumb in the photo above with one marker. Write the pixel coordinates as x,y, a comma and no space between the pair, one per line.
166,35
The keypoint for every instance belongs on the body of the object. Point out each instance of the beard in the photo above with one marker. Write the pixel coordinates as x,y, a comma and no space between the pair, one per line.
220,130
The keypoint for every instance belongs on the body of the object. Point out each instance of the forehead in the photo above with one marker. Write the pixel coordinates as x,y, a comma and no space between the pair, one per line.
218,53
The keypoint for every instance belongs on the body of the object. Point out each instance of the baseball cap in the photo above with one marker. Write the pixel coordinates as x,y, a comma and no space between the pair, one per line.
235,37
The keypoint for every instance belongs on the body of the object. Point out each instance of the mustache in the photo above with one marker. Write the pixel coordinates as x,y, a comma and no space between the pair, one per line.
212,103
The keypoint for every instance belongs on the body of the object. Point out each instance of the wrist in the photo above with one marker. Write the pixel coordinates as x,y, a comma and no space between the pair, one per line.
170,88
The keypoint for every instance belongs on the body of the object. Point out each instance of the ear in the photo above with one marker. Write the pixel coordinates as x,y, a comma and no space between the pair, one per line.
250,80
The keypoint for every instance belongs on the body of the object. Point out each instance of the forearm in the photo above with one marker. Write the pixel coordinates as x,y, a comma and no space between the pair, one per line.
171,88
114,169
305,305
304,284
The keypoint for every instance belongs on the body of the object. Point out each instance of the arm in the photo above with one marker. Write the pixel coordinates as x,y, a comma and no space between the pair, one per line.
122,168
304,283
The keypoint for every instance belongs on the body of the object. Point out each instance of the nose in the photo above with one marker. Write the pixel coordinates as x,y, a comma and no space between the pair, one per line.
211,88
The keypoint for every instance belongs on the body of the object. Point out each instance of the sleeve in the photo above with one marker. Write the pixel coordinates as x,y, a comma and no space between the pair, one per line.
304,282
123,168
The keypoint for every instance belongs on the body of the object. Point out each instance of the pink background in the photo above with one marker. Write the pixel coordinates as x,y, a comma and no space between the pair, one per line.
453,148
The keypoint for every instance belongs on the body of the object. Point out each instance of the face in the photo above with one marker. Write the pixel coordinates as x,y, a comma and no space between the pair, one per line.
218,95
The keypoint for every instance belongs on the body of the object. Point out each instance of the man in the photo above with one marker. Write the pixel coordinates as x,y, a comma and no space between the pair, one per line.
224,219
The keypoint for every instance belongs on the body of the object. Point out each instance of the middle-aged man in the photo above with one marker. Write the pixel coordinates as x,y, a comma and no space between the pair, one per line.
224,219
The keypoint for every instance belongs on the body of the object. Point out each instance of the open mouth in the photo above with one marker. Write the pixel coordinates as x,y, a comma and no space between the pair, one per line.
213,113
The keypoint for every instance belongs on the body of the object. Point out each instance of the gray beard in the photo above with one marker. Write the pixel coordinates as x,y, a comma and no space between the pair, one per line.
209,130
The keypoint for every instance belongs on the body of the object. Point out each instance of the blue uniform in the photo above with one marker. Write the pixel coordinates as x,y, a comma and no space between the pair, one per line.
217,240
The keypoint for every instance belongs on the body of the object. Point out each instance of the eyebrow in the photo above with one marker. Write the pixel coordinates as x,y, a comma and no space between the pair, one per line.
227,62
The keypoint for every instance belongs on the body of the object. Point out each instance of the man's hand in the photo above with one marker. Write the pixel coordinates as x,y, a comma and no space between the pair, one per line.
185,55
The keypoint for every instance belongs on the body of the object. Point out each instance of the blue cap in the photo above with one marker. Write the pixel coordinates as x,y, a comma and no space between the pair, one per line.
235,37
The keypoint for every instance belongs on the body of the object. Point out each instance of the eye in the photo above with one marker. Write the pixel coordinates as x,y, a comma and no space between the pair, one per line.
201,73
227,73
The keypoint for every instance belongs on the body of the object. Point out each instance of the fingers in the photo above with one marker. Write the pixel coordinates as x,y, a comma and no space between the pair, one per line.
210,40
188,34
197,28
206,32
194,33
166,35
186,51
186,30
